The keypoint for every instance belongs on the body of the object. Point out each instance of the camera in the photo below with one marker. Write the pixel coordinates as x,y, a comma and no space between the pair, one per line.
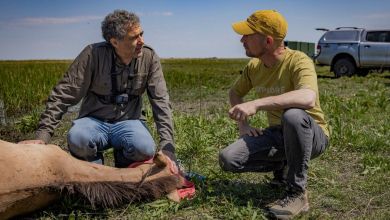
122,99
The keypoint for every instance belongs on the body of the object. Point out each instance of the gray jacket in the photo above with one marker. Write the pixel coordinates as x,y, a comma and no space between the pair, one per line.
89,78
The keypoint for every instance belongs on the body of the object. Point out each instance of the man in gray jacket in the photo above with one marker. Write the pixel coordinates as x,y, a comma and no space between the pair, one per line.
111,77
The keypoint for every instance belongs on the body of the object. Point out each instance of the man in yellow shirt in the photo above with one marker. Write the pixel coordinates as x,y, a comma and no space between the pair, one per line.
286,84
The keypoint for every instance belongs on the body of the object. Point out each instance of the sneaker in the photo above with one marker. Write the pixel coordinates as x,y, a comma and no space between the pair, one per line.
290,206
99,159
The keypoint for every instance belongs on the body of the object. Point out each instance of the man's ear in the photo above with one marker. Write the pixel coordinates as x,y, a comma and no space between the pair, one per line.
270,40
114,42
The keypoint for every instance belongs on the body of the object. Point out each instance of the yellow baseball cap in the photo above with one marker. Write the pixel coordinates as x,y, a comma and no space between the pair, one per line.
268,22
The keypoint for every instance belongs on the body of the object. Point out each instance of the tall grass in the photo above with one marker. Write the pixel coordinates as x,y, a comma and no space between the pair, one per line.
26,84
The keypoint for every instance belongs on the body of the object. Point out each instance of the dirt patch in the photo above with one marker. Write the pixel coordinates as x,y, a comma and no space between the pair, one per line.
10,134
203,107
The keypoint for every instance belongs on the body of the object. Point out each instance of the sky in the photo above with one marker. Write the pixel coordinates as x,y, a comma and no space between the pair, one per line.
60,29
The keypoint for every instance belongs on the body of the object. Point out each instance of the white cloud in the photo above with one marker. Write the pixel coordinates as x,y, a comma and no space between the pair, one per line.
376,16
56,20
75,19
163,14
168,13
36,21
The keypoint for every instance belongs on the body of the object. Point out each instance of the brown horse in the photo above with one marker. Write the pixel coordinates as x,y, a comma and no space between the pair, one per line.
32,176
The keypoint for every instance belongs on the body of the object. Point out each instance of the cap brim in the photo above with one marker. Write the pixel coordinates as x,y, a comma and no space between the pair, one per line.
242,28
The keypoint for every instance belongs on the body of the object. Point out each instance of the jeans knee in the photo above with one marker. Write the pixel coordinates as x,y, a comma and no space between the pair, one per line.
293,117
147,150
140,150
226,161
81,146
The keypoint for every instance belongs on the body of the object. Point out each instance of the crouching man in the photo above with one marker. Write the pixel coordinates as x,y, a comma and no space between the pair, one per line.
285,82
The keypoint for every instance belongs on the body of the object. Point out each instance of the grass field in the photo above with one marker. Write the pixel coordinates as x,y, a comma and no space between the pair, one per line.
349,181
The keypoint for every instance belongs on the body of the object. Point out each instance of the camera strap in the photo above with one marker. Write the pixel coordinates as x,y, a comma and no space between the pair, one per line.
115,90
131,76
114,75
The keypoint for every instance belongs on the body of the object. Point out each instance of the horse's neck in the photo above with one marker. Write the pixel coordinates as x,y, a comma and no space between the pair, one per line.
43,165
24,166
33,175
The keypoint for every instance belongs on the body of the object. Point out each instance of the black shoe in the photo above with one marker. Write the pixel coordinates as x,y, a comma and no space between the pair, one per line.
98,159
120,160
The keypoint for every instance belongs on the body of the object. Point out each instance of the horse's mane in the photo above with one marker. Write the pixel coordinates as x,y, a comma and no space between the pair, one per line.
111,194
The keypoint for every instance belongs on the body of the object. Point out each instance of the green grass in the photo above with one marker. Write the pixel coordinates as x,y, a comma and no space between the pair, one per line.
26,84
349,181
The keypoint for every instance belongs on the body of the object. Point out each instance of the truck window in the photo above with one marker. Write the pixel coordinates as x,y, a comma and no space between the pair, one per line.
342,35
378,36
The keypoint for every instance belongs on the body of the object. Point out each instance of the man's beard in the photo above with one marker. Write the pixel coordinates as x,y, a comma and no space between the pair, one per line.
250,54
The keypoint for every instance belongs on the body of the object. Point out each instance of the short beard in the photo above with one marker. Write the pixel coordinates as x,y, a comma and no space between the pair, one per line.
249,54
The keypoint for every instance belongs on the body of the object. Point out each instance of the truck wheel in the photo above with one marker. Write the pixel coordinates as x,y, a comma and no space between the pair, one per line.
344,67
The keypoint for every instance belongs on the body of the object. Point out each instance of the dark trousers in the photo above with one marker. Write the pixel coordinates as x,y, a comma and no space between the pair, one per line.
295,142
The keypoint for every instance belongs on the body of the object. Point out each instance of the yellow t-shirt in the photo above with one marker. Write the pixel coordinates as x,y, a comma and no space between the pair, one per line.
295,71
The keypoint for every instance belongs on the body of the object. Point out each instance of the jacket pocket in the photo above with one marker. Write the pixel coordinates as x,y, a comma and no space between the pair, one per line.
138,84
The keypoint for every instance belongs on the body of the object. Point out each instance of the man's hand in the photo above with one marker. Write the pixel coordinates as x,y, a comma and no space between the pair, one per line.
246,129
32,142
171,155
242,111
173,158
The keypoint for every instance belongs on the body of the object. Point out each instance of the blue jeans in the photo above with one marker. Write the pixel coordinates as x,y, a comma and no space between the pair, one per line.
89,137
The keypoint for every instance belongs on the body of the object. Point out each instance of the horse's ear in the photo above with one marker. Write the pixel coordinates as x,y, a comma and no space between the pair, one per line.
160,160
174,196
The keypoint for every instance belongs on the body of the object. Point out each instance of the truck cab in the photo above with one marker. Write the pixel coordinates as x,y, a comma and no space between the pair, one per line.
350,50
375,48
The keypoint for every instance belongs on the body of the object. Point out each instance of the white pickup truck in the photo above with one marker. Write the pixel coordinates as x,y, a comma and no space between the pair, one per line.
350,50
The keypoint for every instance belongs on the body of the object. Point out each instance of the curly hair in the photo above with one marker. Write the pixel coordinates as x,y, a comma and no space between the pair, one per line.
117,23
